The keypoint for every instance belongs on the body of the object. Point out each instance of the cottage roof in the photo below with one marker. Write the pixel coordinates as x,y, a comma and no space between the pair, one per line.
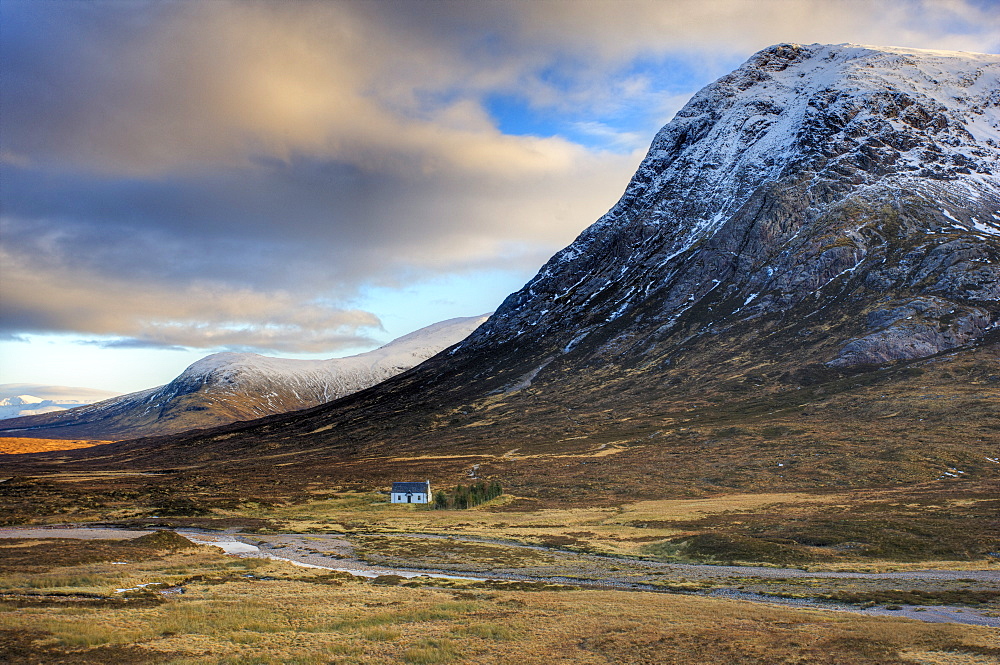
411,487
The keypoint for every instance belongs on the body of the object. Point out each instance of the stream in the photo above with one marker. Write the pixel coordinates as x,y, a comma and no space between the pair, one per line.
333,552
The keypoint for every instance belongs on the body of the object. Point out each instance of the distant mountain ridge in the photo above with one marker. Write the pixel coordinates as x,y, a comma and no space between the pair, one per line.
29,405
225,387
28,399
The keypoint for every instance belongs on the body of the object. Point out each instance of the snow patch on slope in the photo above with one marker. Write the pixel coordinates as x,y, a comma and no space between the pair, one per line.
398,355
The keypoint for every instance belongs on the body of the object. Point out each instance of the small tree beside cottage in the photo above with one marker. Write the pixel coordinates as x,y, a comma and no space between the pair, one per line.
463,497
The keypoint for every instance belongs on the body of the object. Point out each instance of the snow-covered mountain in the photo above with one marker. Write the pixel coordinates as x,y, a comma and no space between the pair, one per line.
809,173
30,399
225,387
28,405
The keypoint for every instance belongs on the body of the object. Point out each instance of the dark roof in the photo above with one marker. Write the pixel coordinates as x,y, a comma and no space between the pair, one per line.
411,487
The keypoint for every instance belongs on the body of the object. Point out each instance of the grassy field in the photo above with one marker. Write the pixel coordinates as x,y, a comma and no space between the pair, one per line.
10,445
259,611
898,465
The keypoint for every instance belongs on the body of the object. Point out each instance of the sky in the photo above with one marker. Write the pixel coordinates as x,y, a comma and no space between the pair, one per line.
313,179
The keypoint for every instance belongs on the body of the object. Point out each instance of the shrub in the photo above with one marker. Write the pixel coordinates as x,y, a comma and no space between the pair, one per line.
387,580
163,540
468,497
461,499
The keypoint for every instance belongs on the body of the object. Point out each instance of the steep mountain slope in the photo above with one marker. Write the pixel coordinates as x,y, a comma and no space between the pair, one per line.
811,243
808,174
225,387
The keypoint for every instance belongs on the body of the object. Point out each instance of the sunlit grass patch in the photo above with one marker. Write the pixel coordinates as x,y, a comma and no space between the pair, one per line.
78,631
321,655
429,651
435,612
449,553
380,634
292,621
947,658
10,445
487,631
214,618
261,659
104,579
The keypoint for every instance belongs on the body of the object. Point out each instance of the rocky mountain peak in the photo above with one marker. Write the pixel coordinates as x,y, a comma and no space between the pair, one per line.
808,173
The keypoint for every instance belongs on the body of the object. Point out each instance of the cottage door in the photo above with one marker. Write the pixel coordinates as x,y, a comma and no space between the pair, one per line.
409,497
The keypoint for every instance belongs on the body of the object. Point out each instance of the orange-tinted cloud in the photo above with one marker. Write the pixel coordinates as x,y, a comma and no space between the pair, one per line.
199,315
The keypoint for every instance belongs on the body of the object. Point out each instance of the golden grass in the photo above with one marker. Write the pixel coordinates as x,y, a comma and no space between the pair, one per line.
693,509
299,616
429,651
104,578
488,631
287,614
948,658
373,509
10,445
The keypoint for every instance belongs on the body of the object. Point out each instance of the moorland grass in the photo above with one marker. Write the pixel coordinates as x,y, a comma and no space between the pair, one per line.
295,617
429,651
10,445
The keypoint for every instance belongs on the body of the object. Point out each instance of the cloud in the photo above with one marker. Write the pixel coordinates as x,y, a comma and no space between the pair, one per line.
230,173
147,88
212,85
54,393
202,315
609,136
132,343
620,29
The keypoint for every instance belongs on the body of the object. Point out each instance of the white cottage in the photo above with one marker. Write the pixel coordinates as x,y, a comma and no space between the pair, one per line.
411,492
